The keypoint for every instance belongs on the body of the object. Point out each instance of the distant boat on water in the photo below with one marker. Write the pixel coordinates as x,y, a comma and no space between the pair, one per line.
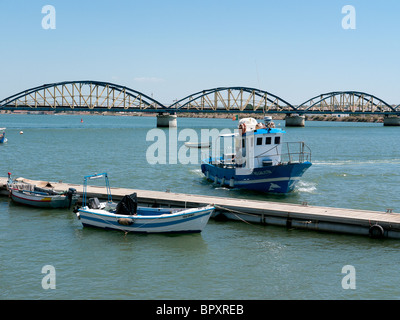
3,138
198,145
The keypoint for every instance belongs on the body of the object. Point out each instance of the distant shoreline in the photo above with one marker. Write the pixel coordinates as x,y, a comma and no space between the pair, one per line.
279,116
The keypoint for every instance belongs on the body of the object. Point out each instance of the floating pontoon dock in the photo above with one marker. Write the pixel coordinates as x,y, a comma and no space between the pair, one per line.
360,222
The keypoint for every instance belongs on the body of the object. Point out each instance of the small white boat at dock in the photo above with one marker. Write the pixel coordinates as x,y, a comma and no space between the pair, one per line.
128,217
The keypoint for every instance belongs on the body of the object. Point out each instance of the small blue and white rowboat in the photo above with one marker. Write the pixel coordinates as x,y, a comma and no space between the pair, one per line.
147,220
128,217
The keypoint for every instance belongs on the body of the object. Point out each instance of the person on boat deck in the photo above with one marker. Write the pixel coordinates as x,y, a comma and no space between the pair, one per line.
260,125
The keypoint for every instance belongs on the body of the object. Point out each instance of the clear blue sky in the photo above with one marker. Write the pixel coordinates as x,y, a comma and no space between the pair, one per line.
294,49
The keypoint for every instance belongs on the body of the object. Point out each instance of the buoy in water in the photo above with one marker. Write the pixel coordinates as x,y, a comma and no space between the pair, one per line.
21,132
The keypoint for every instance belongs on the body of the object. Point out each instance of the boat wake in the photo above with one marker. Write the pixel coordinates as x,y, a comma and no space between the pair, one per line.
356,162
306,186
197,172
223,188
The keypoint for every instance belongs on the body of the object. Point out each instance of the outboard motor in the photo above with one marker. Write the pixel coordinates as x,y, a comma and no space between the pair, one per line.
70,194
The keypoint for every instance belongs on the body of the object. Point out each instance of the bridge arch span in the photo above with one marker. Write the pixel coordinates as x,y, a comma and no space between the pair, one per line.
232,99
81,95
346,102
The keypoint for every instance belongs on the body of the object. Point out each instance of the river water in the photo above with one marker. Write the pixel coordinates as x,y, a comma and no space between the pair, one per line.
355,165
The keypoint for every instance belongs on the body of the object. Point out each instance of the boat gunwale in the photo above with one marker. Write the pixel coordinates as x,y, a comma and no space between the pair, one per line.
100,212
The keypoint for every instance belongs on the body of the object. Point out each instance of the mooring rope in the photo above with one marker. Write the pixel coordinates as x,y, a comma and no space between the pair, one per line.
234,212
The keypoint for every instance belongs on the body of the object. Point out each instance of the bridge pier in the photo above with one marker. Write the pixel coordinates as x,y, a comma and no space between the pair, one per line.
167,120
295,120
391,121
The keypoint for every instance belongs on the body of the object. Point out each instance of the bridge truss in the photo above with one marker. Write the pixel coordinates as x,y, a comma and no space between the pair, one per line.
346,102
105,96
232,99
81,95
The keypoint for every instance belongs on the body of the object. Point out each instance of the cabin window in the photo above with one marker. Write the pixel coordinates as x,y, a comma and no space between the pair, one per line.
277,140
259,141
268,140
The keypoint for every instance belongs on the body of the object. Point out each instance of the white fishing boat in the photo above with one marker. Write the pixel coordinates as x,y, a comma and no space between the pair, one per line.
261,161
128,217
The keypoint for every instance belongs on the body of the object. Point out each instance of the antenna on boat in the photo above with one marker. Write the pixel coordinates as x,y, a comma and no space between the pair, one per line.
258,77
259,85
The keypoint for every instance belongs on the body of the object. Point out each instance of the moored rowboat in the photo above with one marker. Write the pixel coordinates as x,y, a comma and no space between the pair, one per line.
23,192
128,217
147,220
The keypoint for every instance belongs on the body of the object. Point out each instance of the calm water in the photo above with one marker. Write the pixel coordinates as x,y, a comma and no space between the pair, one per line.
355,165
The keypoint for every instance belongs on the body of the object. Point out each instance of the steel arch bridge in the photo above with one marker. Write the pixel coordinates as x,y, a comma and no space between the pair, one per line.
81,95
105,96
354,102
233,99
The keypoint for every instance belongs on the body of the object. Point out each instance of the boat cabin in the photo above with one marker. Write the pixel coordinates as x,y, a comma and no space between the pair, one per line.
259,141
259,145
